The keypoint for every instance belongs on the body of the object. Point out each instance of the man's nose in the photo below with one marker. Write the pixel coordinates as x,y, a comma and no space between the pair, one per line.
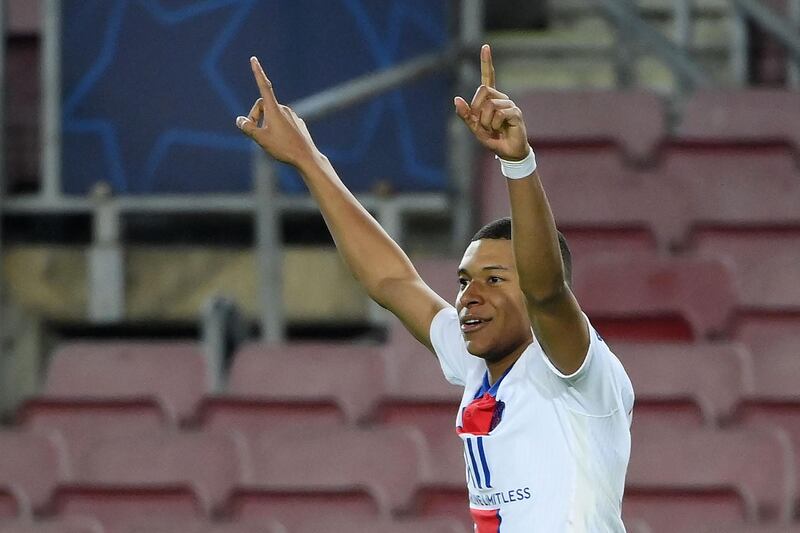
471,295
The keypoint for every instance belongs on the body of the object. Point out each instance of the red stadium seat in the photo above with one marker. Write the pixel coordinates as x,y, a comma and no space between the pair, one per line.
742,117
592,189
205,464
175,374
709,377
33,464
83,423
755,464
766,265
685,510
632,120
307,458
117,508
451,503
769,335
293,507
698,291
734,187
319,383
13,503
162,524
344,524
67,525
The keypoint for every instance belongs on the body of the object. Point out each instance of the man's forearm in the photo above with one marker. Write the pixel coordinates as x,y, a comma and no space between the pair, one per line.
369,252
535,241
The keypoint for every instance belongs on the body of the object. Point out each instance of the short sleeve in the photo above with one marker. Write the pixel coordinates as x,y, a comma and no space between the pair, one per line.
448,344
600,386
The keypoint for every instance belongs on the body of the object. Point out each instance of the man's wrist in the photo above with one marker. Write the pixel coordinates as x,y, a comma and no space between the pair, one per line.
518,169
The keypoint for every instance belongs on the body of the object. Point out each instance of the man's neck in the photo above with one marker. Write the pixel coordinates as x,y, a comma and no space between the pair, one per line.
498,368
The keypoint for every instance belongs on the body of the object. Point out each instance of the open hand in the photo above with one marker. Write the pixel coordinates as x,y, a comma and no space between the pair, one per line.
492,117
275,127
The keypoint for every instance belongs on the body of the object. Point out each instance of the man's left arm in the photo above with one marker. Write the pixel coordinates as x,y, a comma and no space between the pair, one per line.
556,317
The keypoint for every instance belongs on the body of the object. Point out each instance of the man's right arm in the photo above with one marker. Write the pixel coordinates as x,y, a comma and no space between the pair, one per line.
375,260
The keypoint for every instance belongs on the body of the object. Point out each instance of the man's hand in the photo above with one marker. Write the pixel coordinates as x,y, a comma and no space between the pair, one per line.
494,119
275,127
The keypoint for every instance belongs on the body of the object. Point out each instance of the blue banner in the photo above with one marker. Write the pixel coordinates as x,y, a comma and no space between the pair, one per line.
151,88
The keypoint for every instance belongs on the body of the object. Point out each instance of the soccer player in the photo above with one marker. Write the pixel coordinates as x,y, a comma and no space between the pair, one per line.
546,411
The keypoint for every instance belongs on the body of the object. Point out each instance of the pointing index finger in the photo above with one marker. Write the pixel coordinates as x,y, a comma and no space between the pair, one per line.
264,85
487,68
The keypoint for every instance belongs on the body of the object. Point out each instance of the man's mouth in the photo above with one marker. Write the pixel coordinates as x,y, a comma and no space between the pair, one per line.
473,324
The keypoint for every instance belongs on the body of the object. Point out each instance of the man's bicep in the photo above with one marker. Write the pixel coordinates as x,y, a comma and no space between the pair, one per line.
414,303
562,331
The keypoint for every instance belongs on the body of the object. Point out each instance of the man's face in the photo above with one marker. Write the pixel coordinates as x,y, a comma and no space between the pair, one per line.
490,304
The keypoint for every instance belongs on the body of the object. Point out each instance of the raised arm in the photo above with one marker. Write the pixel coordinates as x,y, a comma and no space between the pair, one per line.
555,315
375,260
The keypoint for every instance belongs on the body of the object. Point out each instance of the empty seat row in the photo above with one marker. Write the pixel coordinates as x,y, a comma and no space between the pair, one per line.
689,189
635,120
334,385
373,472
165,524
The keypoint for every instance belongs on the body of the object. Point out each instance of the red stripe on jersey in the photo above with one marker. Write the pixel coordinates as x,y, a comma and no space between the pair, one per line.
481,416
486,520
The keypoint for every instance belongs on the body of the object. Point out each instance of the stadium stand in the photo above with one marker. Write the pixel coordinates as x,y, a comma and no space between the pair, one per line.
67,525
33,464
12,503
756,464
665,510
315,383
172,374
680,384
162,478
753,117
580,118
765,264
293,508
308,458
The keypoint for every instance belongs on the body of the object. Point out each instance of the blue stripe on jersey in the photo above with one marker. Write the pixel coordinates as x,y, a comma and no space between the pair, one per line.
486,475
474,463
470,475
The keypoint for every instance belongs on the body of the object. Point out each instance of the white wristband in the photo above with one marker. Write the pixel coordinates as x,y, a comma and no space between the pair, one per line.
518,169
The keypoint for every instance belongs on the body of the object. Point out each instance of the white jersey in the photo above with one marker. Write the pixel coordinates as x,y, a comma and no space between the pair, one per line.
544,452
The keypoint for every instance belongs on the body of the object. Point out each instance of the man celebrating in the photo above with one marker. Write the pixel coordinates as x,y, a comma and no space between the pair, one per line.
546,411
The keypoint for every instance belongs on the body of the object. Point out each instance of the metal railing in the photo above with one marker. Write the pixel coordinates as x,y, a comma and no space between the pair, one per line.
265,204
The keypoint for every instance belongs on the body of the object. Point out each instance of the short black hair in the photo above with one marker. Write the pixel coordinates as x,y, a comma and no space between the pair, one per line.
501,229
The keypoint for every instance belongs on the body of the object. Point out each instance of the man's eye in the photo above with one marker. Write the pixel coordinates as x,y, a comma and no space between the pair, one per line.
494,279
462,282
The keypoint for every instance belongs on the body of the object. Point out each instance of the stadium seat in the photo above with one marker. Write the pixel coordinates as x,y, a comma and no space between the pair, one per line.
74,524
634,121
697,291
161,524
750,188
685,510
83,423
757,464
116,508
32,464
174,374
292,507
752,528
205,464
13,503
711,377
755,116
308,458
593,189
345,524
315,383
769,334
766,265
451,503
